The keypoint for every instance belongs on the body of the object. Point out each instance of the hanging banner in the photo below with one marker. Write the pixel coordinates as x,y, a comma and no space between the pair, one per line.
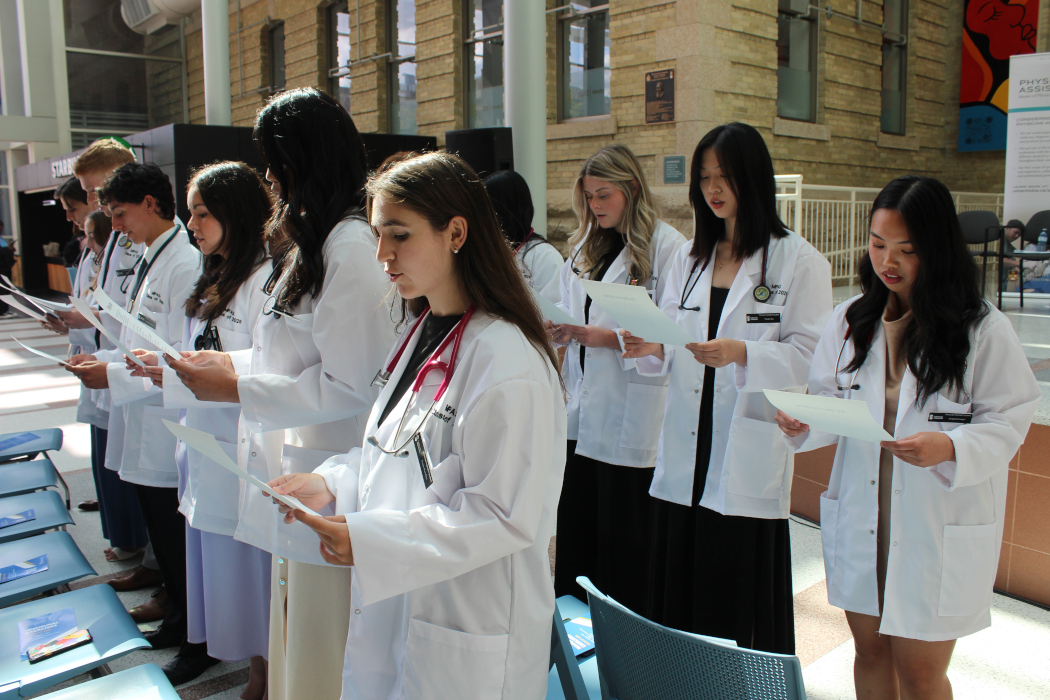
993,31
1027,186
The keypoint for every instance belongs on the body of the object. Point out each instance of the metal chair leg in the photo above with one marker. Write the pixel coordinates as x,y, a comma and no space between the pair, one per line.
103,670
64,486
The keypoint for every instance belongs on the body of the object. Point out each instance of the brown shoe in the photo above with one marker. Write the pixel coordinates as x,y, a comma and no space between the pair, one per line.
140,577
155,609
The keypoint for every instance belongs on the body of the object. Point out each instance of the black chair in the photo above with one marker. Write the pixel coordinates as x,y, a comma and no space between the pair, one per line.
1039,221
980,228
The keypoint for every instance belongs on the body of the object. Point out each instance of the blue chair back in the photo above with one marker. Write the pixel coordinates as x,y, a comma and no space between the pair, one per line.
641,660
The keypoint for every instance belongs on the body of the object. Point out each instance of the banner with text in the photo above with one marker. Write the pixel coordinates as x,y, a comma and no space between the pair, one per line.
1027,186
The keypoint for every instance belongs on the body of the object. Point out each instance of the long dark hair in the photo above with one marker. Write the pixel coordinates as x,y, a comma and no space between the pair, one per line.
238,199
748,170
71,191
439,186
512,203
311,146
945,300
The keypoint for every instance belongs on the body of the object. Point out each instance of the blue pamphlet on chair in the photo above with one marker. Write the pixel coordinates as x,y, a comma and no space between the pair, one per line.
18,440
43,629
18,518
23,568
581,635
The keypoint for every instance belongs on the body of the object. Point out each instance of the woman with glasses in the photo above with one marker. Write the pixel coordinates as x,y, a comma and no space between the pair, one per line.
228,582
305,388
446,509
613,411
755,297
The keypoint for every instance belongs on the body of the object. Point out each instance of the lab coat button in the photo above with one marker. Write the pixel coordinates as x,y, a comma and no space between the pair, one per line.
586,392
255,454
244,439
897,491
872,482
280,560
693,433
696,391
357,611
281,581
871,531
894,544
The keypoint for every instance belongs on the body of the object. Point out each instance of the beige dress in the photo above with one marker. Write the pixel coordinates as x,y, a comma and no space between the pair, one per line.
893,327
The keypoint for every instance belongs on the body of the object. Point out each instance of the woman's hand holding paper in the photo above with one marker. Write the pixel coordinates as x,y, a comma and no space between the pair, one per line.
311,490
89,371
591,336
635,347
719,352
790,426
922,449
208,374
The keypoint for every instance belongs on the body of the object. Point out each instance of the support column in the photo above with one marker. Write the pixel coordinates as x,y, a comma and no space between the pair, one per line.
525,96
215,31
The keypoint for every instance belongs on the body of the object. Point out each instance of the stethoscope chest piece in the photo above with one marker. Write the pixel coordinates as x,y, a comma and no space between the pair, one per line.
761,293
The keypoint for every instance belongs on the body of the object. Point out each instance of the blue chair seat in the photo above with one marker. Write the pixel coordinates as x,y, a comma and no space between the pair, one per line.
99,610
48,508
64,561
25,477
145,682
29,443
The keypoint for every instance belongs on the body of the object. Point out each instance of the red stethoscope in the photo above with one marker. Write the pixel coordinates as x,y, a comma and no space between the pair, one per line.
434,364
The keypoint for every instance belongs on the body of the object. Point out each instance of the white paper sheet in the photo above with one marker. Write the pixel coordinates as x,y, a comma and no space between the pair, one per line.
631,307
38,303
31,313
847,417
552,312
136,326
41,353
82,307
208,446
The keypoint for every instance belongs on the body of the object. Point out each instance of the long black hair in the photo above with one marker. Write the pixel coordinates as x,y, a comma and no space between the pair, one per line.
945,297
748,170
311,146
238,199
512,201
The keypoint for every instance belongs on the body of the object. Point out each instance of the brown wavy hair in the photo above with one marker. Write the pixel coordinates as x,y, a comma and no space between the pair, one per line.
439,186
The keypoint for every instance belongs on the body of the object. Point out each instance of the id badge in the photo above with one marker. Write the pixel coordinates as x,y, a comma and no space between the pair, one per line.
148,321
425,467
960,418
763,318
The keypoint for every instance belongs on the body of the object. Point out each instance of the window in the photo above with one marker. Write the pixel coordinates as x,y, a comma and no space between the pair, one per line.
585,70
796,61
484,63
403,66
275,54
339,52
894,66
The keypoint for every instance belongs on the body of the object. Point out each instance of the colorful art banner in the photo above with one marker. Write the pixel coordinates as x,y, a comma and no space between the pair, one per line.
993,31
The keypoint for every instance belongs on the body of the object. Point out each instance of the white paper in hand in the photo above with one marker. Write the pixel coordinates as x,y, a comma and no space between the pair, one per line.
208,446
9,286
631,307
551,311
84,310
36,315
846,417
133,324
41,353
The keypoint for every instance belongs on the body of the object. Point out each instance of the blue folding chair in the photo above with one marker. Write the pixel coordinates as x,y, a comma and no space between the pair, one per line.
569,678
17,478
47,506
97,608
145,682
65,563
29,443
641,660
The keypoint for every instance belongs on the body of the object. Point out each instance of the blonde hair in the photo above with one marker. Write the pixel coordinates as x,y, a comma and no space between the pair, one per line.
617,165
102,156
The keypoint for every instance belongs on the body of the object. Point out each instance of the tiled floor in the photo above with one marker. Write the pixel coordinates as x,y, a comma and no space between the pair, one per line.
1007,661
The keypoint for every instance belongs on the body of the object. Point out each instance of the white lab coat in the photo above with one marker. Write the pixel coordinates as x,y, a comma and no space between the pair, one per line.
82,340
749,473
946,521
614,412
306,387
540,263
452,595
209,496
147,457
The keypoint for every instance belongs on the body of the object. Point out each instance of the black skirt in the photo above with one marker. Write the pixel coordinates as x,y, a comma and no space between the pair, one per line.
603,529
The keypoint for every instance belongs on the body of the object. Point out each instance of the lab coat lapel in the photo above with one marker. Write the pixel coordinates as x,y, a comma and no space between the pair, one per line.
908,392
742,285
873,383
617,268
702,296
388,389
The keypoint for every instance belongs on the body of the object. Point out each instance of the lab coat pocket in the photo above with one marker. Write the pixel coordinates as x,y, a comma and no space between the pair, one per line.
829,520
445,663
643,416
755,459
767,328
968,568
952,413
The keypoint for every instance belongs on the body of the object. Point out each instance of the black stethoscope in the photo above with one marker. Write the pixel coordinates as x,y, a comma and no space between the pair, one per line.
141,276
838,363
209,339
434,364
270,306
760,293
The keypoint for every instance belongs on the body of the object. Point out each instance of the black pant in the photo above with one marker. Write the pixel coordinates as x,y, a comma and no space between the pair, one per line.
167,531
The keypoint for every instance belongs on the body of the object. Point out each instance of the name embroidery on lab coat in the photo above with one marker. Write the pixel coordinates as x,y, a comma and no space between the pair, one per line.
446,414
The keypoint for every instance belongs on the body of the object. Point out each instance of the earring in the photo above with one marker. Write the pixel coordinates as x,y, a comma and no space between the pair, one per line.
455,250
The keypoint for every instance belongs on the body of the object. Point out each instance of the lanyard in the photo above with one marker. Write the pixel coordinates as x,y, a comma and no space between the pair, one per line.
141,276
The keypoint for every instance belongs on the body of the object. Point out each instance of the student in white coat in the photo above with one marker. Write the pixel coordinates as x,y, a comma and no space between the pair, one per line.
912,528
305,389
142,205
757,297
444,512
228,582
614,412
538,259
